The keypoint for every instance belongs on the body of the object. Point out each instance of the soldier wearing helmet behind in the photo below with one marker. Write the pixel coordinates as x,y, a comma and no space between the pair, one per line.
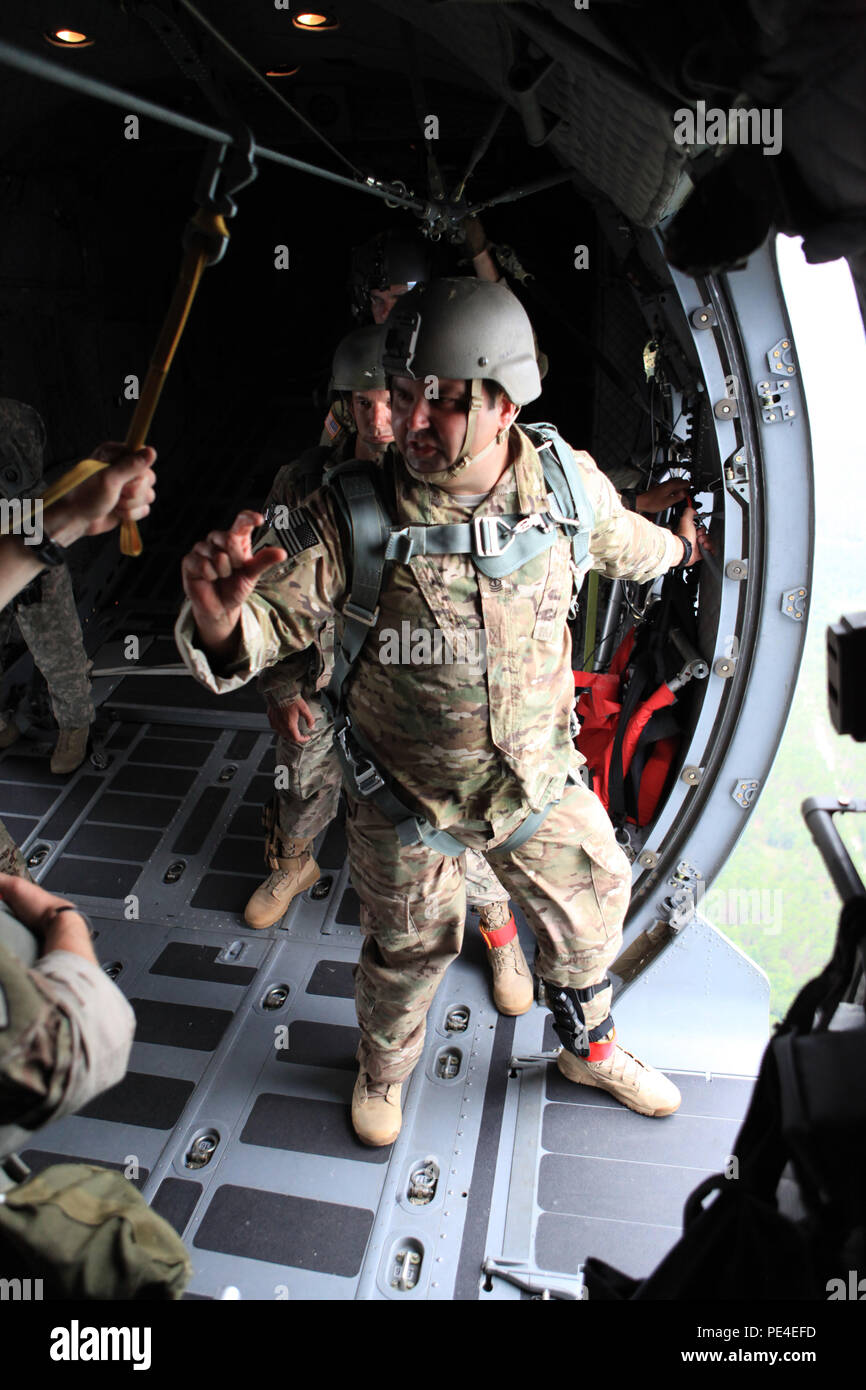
308,783
482,757
383,268
309,776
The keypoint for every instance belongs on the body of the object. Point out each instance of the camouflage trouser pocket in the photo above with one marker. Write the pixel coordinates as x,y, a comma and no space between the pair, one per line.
611,879
388,919
396,979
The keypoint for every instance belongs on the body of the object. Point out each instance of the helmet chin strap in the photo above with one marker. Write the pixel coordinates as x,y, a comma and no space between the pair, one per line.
464,459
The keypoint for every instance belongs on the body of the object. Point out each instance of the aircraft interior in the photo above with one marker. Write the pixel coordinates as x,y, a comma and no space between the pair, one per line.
670,355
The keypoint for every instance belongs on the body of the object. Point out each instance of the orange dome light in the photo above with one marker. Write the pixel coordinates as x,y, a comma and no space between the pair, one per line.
287,70
313,20
68,38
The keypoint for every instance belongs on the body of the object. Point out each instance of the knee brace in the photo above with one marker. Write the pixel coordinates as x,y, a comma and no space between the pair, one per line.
569,1023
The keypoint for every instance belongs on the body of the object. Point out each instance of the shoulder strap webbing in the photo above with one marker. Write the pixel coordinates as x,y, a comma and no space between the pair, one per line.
368,527
498,544
562,476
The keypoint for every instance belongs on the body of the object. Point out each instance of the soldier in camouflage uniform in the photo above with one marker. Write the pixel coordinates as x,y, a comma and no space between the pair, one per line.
11,859
45,611
308,791
65,1028
384,269
485,756
92,508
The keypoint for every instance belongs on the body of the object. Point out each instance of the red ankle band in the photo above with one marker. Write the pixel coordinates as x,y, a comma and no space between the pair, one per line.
600,1051
500,936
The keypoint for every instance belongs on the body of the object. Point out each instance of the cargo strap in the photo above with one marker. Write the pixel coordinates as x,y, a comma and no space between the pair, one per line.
226,169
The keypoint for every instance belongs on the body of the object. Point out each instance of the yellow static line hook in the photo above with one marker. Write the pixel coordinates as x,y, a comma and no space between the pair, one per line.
207,235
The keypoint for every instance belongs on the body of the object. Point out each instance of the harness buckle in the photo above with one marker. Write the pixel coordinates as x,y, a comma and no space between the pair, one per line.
485,530
402,545
360,615
367,777
539,519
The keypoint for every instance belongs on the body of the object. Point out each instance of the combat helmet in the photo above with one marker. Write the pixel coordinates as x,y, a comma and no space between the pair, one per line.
357,364
394,257
465,329
22,441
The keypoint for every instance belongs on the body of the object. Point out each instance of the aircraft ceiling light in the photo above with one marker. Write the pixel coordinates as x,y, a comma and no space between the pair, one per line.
68,38
315,21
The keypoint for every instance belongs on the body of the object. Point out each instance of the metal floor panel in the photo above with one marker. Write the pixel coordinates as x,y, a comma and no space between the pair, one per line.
580,1175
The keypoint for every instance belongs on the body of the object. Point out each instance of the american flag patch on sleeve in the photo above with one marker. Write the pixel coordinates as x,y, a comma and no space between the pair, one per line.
295,530
332,425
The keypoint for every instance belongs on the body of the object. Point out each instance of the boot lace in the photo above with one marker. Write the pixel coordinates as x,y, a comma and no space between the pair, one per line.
622,1066
505,960
377,1090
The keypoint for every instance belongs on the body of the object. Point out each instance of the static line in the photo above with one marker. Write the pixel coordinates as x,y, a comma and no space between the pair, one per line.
18,58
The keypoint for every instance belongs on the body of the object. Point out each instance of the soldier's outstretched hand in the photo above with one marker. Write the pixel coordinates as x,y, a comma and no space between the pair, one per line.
220,573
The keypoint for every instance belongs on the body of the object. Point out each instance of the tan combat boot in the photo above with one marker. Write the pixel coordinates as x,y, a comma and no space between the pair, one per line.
631,1081
9,734
376,1112
512,980
70,749
291,872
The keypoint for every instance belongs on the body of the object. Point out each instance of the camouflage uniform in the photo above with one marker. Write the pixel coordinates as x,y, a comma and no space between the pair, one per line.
308,802
11,858
65,1035
45,609
472,753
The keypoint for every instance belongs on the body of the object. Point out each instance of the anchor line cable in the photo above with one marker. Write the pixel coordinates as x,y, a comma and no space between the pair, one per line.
263,82
521,191
480,150
435,182
23,61
14,57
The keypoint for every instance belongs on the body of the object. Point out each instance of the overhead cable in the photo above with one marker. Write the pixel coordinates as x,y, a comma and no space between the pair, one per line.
263,81
24,61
